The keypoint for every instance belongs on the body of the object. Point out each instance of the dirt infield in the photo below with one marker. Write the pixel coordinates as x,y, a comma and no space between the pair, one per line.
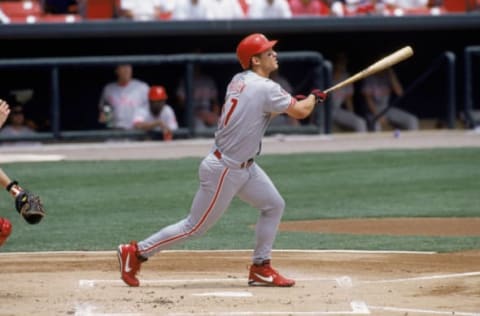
214,282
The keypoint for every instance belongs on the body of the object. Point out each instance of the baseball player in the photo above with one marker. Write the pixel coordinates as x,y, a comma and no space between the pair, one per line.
159,117
124,96
27,205
5,225
229,170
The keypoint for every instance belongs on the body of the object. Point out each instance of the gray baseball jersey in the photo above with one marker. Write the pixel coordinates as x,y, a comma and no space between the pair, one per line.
125,101
229,170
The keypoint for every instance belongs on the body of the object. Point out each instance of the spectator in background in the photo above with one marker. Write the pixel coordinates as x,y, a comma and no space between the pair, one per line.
16,126
206,105
377,90
265,9
4,19
4,112
283,119
192,10
60,6
146,10
226,9
309,8
343,111
405,7
123,98
159,116
356,7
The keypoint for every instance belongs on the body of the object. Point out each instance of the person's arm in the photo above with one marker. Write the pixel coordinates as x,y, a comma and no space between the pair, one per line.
148,126
372,107
4,112
102,118
395,83
349,103
303,108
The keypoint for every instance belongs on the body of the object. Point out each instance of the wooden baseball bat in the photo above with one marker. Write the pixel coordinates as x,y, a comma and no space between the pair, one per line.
384,63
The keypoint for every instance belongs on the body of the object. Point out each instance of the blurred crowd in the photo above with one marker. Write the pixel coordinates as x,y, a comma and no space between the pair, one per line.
32,11
129,103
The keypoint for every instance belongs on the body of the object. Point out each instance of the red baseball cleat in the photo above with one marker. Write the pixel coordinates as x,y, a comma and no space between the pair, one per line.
129,263
265,275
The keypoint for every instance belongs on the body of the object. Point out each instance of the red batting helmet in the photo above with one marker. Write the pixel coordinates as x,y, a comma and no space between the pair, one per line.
157,93
252,45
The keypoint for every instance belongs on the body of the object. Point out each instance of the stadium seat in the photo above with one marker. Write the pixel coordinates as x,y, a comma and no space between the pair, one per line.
460,6
21,11
100,9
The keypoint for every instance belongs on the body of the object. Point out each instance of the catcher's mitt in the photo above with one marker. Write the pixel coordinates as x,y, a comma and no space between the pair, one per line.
30,207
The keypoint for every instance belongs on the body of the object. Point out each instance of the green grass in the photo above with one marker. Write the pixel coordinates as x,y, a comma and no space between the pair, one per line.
97,205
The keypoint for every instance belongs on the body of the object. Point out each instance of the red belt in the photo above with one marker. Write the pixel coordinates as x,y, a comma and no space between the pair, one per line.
244,164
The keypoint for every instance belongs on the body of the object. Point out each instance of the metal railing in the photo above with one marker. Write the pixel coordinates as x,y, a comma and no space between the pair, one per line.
469,53
188,60
446,59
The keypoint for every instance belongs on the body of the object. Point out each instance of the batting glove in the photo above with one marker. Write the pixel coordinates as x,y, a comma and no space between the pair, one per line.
320,96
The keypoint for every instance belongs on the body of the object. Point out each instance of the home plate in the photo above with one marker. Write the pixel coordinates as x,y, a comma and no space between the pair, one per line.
225,294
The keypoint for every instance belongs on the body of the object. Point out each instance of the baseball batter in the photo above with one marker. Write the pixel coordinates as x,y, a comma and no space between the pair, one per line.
230,170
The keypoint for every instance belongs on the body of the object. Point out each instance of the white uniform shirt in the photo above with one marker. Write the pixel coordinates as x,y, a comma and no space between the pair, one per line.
167,116
249,103
125,101
261,9
9,130
145,10
226,9
408,4
186,10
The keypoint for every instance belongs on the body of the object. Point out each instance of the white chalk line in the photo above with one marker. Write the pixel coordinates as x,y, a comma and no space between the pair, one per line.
114,252
343,281
85,309
357,308
90,283
423,311
429,277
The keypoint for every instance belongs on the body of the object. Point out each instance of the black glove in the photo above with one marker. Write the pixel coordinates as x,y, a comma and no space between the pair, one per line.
28,205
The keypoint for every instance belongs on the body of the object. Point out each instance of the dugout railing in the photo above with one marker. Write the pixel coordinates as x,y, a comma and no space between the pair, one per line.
319,76
471,111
